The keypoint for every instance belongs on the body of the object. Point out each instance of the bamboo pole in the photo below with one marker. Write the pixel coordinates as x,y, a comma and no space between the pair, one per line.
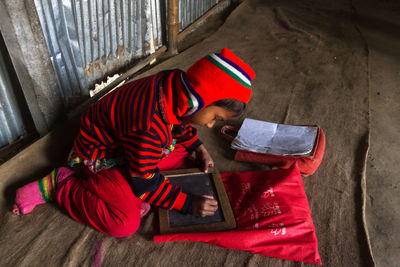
173,27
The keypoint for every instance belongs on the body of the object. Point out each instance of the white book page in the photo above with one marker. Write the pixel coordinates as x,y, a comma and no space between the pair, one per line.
272,138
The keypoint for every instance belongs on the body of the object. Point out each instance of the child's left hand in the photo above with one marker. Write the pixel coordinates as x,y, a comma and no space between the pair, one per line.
204,157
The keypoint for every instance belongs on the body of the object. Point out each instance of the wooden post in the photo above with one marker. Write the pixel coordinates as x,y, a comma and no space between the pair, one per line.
173,27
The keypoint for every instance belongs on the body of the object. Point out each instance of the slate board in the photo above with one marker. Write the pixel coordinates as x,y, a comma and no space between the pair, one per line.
198,184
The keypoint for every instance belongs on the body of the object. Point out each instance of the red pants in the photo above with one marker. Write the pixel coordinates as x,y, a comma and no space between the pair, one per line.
105,200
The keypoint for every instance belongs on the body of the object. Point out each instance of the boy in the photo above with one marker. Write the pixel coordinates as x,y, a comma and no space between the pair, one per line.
132,133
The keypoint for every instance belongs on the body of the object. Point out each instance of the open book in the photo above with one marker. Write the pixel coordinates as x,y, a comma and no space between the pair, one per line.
277,139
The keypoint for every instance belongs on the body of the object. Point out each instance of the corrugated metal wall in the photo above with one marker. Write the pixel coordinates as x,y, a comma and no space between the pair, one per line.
191,10
10,118
88,39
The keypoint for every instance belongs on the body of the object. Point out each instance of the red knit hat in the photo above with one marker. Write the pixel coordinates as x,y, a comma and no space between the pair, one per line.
220,76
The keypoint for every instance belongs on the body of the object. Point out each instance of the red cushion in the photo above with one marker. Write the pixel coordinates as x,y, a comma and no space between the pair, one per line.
307,164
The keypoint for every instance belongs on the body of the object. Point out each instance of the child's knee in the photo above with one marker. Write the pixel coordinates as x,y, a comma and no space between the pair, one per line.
124,228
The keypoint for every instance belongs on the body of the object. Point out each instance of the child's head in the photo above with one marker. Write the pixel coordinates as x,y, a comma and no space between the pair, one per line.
217,111
219,81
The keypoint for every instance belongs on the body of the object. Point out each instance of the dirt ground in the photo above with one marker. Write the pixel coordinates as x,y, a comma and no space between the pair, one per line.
335,64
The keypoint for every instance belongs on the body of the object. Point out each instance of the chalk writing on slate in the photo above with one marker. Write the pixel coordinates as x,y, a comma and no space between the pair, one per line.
198,184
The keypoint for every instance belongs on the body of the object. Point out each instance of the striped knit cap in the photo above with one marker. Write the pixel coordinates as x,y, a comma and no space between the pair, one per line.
216,77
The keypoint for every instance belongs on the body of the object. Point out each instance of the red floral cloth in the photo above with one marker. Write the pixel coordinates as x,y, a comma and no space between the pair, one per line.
272,213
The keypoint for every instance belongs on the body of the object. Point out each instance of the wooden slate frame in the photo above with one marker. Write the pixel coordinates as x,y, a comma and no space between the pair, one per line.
228,222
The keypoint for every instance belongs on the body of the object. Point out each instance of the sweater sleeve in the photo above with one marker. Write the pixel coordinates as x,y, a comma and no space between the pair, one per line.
142,154
186,135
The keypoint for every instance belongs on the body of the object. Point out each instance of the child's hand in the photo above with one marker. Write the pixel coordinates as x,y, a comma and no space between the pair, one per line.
205,157
204,206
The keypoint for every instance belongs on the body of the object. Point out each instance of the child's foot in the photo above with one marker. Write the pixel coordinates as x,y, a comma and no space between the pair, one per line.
40,191
144,209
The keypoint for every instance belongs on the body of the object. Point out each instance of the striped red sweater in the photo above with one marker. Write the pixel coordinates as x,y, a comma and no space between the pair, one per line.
130,122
